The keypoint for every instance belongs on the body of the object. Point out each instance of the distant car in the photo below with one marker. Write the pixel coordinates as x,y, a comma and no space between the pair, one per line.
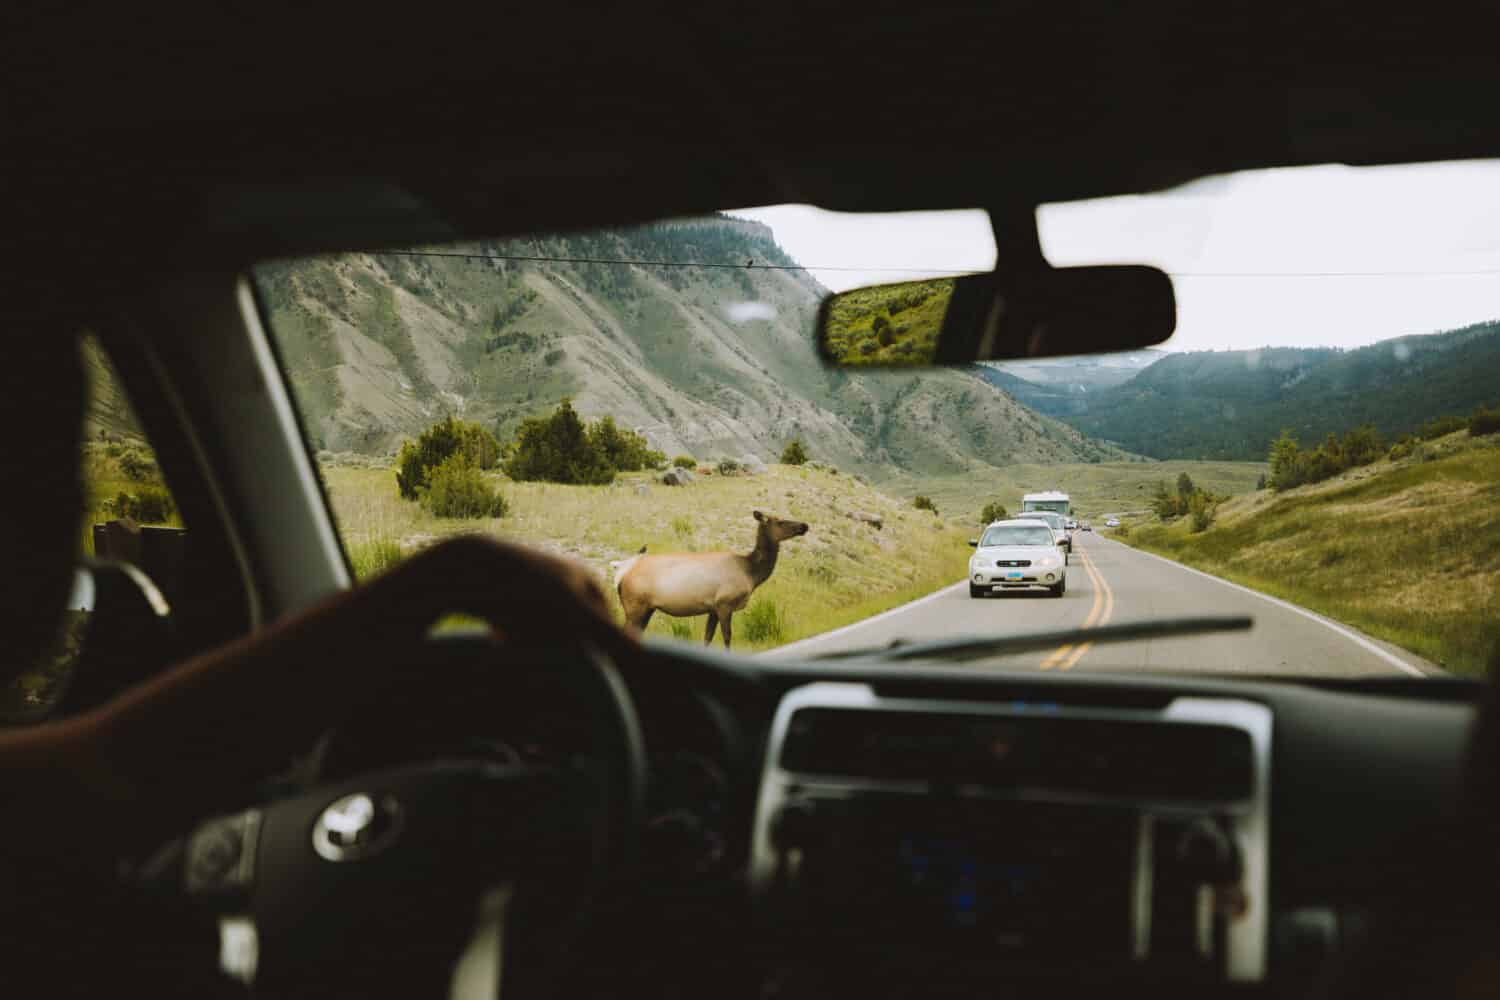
1113,522
1018,554
1072,525
1056,522
1086,526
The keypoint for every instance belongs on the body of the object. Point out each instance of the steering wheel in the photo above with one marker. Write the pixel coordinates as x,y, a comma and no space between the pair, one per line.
368,884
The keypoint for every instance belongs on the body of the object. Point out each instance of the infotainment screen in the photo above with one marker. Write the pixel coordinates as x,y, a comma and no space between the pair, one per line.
964,886
972,876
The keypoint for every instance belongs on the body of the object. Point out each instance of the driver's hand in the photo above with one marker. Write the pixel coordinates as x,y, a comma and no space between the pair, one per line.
525,593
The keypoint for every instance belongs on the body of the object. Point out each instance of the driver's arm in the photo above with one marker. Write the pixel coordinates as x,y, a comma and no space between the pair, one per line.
172,749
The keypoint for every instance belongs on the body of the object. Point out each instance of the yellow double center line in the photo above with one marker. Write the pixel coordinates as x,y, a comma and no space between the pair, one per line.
1103,608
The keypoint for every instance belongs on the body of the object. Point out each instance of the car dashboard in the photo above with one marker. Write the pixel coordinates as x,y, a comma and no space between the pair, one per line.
929,829
924,829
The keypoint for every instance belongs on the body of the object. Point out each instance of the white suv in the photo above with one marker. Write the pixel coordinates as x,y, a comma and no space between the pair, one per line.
1057,523
1017,554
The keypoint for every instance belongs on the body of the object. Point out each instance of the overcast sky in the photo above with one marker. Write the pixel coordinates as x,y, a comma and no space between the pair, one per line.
1250,253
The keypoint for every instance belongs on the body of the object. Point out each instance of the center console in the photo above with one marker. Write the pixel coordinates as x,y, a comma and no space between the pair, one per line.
905,837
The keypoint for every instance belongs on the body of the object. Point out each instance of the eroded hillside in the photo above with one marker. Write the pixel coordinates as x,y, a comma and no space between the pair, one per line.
712,361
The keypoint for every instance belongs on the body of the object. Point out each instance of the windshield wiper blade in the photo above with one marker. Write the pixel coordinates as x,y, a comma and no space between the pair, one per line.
975,646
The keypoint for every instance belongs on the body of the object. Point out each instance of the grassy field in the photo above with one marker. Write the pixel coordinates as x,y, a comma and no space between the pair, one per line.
843,570
104,480
1096,489
1408,551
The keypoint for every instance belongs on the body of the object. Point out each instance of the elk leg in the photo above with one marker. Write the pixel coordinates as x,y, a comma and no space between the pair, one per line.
725,624
643,619
713,623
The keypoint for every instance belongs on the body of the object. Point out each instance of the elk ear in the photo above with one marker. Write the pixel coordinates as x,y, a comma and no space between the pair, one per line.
759,516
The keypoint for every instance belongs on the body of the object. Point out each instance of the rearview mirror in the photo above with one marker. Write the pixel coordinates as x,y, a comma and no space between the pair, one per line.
973,543
1037,313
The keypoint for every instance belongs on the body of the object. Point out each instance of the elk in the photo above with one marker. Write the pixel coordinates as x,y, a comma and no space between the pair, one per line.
696,583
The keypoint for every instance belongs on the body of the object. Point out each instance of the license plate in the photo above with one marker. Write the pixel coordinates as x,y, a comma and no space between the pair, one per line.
1014,575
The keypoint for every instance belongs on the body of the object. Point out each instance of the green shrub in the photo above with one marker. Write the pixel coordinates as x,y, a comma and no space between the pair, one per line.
728,467
113,450
1438,426
924,503
1484,422
1402,448
554,356
136,467
624,451
1291,466
685,462
435,445
681,629
682,527
762,621
374,556
993,511
148,505
794,453
1200,512
558,449
456,488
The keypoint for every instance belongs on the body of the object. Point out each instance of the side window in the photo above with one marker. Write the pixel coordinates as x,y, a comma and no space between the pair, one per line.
129,516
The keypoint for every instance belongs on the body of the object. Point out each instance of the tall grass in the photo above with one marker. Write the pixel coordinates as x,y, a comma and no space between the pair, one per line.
374,556
1409,552
762,622
842,571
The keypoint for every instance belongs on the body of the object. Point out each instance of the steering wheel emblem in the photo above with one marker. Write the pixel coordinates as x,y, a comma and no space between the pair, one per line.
355,827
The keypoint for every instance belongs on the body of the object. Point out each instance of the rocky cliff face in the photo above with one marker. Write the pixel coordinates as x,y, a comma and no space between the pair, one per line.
704,360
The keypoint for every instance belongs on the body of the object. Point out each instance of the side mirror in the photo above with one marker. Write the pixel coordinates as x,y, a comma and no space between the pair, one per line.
1037,313
973,543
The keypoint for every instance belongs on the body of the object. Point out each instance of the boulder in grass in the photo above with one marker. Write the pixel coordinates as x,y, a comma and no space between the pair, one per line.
752,466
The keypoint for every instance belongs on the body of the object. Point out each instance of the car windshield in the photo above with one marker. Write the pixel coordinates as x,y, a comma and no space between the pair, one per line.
1012,534
1314,447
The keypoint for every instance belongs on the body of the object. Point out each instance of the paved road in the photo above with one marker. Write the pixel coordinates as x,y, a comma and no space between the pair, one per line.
1111,583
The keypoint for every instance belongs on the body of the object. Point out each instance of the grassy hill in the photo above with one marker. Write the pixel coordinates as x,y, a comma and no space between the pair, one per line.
843,570
109,414
1096,489
1408,551
1233,404
709,361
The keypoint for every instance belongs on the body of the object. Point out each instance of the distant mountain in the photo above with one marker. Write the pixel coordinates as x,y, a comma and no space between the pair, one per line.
1090,370
713,361
1063,386
1233,404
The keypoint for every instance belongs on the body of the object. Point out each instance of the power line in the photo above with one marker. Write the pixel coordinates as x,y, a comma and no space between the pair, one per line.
752,265
1479,273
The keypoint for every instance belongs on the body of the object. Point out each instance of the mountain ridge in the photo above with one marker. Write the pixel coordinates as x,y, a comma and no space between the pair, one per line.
1230,405
643,324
